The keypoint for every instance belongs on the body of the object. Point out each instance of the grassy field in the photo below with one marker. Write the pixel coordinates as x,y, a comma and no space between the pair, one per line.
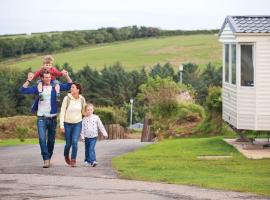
16,142
176,161
199,49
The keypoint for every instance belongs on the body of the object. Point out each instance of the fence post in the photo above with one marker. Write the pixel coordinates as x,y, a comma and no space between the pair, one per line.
147,134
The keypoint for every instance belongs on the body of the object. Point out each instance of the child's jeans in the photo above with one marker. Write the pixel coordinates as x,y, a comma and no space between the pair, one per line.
90,152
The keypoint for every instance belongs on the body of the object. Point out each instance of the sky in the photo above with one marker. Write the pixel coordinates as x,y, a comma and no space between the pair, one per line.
28,16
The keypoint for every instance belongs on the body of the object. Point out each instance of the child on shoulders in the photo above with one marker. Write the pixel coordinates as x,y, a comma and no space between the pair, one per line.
47,64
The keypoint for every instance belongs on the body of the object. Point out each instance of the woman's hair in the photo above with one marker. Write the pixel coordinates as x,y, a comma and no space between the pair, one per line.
48,59
78,86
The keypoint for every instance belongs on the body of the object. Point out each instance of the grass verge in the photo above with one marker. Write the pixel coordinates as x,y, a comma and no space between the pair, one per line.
176,161
16,142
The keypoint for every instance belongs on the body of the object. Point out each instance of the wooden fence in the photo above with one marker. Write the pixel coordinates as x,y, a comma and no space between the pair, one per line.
115,131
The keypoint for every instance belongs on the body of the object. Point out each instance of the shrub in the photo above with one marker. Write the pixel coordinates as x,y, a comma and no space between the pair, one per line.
213,123
165,109
172,118
9,125
22,133
190,111
110,115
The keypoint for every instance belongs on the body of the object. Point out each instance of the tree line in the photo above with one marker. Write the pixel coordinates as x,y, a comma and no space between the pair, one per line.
52,42
112,86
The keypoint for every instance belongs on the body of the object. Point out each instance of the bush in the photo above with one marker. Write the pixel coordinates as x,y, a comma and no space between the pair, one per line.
22,133
213,123
190,111
165,109
110,115
9,126
173,119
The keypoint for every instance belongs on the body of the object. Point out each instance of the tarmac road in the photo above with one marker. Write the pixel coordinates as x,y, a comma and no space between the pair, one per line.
22,177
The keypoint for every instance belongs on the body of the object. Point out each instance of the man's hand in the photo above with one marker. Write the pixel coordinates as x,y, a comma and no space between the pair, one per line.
65,74
30,76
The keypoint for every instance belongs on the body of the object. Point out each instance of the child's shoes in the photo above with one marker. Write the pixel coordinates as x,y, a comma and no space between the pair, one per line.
94,163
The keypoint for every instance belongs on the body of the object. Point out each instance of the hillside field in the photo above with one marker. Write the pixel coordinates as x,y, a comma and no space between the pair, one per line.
132,54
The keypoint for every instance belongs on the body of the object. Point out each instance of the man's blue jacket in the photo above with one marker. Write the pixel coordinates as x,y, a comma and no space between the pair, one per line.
34,90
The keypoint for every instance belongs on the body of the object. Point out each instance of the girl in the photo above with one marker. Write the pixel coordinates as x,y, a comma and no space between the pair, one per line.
91,124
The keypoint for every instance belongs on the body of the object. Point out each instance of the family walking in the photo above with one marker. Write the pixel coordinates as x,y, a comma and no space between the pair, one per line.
76,117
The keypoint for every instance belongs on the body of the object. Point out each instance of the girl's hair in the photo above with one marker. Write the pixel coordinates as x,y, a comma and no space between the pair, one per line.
78,86
48,59
86,106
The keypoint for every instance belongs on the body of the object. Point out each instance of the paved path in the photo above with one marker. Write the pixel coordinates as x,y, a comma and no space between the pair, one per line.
22,177
252,151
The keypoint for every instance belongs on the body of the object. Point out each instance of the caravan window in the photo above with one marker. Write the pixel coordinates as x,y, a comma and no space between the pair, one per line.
233,63
247,66
227,62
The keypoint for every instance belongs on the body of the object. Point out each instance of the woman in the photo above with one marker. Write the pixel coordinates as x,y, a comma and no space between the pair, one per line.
71,121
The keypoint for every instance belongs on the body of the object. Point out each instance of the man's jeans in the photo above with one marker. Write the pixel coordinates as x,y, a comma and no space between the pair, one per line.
90,152
46,143
72,133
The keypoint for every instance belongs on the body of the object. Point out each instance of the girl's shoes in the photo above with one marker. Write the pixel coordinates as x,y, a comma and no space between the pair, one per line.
94,163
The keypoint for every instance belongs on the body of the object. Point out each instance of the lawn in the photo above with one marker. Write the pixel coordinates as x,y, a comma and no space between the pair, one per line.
199,49
176,161
16,142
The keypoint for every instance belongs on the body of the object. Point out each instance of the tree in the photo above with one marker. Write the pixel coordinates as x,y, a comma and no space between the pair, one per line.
162,71
115,84
92,84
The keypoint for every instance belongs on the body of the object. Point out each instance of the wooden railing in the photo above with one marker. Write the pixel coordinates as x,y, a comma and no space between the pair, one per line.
115,131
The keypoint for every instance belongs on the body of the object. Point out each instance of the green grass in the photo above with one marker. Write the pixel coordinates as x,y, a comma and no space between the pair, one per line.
16,142
199,49
175,161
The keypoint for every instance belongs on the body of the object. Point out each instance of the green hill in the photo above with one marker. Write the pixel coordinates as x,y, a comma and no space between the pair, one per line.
132,54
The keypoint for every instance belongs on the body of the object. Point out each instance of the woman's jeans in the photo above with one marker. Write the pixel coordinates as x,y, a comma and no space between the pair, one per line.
72,133
90,153
46,126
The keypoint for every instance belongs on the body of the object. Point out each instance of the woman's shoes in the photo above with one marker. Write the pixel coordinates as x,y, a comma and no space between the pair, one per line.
73,163
67,159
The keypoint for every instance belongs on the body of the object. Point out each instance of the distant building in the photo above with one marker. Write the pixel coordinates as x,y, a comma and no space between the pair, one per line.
246,71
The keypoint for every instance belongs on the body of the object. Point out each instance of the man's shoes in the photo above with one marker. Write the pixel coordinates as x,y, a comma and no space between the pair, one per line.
94,163
67,159
46,164
73,163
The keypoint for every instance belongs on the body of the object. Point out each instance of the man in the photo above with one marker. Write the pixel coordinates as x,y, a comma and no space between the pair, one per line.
46,111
